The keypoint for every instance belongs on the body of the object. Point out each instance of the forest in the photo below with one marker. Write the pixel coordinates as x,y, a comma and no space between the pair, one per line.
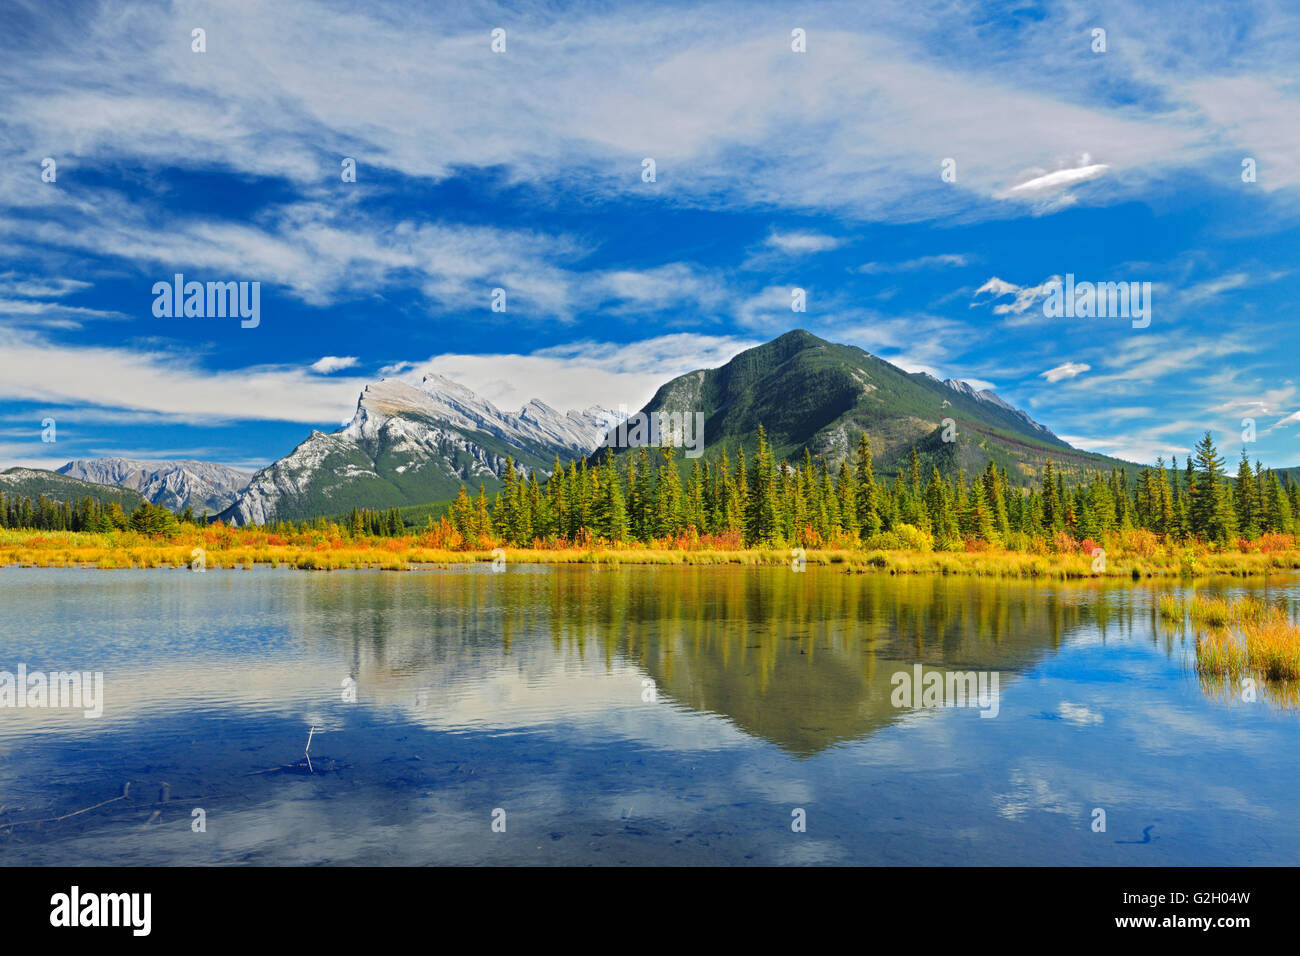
645,498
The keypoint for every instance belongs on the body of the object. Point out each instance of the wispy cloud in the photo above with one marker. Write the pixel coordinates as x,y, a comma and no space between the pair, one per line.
1067,370
942,261
1036,182
1023,298
802,243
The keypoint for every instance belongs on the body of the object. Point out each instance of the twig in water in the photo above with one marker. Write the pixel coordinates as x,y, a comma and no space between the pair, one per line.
306,752
125,791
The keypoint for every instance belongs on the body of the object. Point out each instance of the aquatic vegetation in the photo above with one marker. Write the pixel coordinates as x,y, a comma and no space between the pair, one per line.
1273,648
1171,608
1215,612
1246,636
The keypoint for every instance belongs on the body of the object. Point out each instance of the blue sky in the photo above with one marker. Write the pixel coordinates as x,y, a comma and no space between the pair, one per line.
522,170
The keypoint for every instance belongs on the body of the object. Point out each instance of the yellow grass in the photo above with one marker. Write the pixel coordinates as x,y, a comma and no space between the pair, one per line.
1246,636
1273,648
1171,608
225,547
1220,654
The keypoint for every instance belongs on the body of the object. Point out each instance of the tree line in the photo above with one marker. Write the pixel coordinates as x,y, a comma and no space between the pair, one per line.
87,514
764,503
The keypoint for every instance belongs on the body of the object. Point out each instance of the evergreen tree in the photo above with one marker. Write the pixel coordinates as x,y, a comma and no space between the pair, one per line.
1211,503
869,520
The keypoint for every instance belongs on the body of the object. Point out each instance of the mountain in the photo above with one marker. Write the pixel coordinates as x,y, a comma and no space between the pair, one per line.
34,482
807,392
408,445
200,485
416,444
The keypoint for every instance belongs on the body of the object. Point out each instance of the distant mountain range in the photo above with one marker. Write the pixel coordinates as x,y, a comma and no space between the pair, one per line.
415,444
200,485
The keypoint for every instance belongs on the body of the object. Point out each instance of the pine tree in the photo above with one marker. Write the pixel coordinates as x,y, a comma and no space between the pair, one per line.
869,520
669,513
1246,498
762,518
1211,503
848,502
1051,501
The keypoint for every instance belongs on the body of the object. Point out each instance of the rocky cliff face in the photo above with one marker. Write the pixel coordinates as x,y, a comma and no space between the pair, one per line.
409,444
200,485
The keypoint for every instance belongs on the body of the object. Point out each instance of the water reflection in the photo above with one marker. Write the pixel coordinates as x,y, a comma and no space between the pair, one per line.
628,715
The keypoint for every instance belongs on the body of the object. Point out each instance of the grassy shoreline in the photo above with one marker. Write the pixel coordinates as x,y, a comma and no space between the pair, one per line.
226,548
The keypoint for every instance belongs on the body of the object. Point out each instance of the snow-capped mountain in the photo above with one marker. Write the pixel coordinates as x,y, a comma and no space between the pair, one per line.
536,427
200,485
412,444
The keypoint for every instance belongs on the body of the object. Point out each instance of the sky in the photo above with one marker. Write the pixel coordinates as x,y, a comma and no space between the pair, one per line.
921,171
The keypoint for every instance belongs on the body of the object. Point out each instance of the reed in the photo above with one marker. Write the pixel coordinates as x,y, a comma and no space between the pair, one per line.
1246,635
1214,612
1219,653
1273,648
1171,608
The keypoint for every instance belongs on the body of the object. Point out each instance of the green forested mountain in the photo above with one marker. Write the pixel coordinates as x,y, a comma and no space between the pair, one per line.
810,393
34,483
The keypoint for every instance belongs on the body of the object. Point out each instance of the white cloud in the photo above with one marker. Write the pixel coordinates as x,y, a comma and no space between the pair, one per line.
1025,297
333,363
39,288
1214,287
876,97
585,373
1041,180
945,260
802,243
1067,370
171,386
162,382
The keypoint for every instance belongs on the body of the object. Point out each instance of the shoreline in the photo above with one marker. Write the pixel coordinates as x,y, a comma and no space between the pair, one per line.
71,550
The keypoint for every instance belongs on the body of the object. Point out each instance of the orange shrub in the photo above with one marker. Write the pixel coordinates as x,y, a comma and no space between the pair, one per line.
1064,542
723,541
1274,543
1139,542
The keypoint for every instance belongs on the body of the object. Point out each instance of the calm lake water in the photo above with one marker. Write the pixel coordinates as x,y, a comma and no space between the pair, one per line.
629,716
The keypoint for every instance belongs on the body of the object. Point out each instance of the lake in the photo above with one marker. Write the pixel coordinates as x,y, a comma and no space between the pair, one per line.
635,715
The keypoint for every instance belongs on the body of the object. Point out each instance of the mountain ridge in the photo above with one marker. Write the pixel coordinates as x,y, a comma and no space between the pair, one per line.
809,393
32,483
175,484
411,444
408,445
